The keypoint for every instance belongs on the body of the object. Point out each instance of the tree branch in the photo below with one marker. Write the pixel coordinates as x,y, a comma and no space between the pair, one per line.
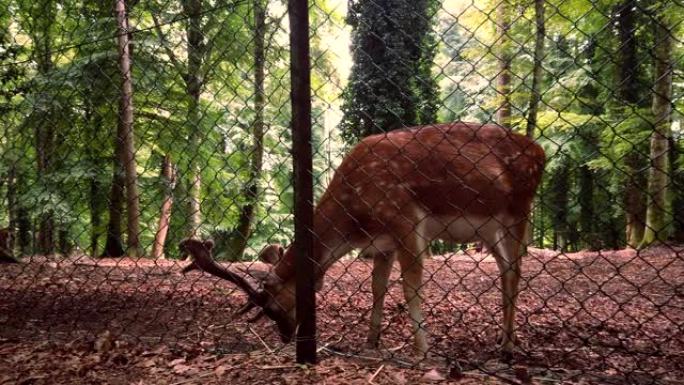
164,43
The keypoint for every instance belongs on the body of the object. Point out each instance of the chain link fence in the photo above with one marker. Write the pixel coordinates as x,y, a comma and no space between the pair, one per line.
142,141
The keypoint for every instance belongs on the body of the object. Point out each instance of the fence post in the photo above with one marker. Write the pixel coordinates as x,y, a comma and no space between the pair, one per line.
300,96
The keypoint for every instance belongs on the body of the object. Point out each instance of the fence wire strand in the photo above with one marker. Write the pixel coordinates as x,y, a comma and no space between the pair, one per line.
429,122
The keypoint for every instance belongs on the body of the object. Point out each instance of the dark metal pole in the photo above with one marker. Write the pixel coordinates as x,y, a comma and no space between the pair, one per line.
303,179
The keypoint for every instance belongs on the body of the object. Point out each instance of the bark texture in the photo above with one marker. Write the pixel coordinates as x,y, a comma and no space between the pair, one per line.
657,216
169,180
125,126
243,230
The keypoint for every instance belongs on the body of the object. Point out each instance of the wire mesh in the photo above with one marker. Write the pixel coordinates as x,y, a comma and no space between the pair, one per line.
415,230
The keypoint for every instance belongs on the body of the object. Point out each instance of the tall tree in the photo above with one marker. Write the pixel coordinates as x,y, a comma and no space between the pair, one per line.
504,59
168,176
628,93
391,84
194,72
11,75
113,242
238,238
657,223
535,92
193,87
125,127
39,22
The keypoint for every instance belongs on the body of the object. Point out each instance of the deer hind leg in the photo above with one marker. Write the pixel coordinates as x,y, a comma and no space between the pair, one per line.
508,250
410,255
382,266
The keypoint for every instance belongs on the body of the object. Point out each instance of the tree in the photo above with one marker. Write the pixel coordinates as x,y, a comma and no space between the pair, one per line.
657,223
39,20
535,93
125,129
195,71
241,232
628,92
168,177
391,84
503,78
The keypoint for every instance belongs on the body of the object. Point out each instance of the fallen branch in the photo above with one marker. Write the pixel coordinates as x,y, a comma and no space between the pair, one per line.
268,348
275,367
370,380
195,377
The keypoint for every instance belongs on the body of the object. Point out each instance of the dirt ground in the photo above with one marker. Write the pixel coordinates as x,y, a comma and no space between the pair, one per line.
610,317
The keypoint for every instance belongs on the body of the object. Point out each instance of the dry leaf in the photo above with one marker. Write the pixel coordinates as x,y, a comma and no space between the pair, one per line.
221,370
148,363
177,361
398,378
432,376
104,342
181,368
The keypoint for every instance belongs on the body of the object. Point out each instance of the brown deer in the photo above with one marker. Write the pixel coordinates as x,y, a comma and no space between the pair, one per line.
393,194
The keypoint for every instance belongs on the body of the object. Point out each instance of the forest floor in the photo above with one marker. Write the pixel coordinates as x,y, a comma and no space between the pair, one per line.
609,317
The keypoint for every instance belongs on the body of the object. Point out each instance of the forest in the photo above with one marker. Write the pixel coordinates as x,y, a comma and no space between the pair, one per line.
126,129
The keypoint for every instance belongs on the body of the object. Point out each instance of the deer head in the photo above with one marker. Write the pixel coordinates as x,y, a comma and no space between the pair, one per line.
272,295
390,196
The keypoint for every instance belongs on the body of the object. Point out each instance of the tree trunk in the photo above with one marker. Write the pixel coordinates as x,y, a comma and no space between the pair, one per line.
169,181
242,231
634,200
114,244
657,210
503,86
63,244
125,126
193,88
558,199
535,96
586,202
677,177
96,197
628,65
628,91
24,233
95,217
44,129
12,196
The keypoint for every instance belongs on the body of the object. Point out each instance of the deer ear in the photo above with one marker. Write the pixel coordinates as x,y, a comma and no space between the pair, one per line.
271,254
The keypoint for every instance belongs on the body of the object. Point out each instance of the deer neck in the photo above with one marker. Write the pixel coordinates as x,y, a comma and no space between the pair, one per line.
326,250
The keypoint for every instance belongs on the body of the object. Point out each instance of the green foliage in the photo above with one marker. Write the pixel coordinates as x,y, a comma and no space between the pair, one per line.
413,62
392,83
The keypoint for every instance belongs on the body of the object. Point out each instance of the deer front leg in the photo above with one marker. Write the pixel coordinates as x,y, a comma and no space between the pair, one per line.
382,266
412,276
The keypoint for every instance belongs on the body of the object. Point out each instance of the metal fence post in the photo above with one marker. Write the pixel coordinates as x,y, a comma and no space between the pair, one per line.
303,179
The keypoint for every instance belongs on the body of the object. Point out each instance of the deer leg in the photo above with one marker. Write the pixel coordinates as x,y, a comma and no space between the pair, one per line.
411,261
508,254
382,266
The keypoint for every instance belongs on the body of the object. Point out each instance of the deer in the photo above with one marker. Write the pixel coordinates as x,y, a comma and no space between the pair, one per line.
391,195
